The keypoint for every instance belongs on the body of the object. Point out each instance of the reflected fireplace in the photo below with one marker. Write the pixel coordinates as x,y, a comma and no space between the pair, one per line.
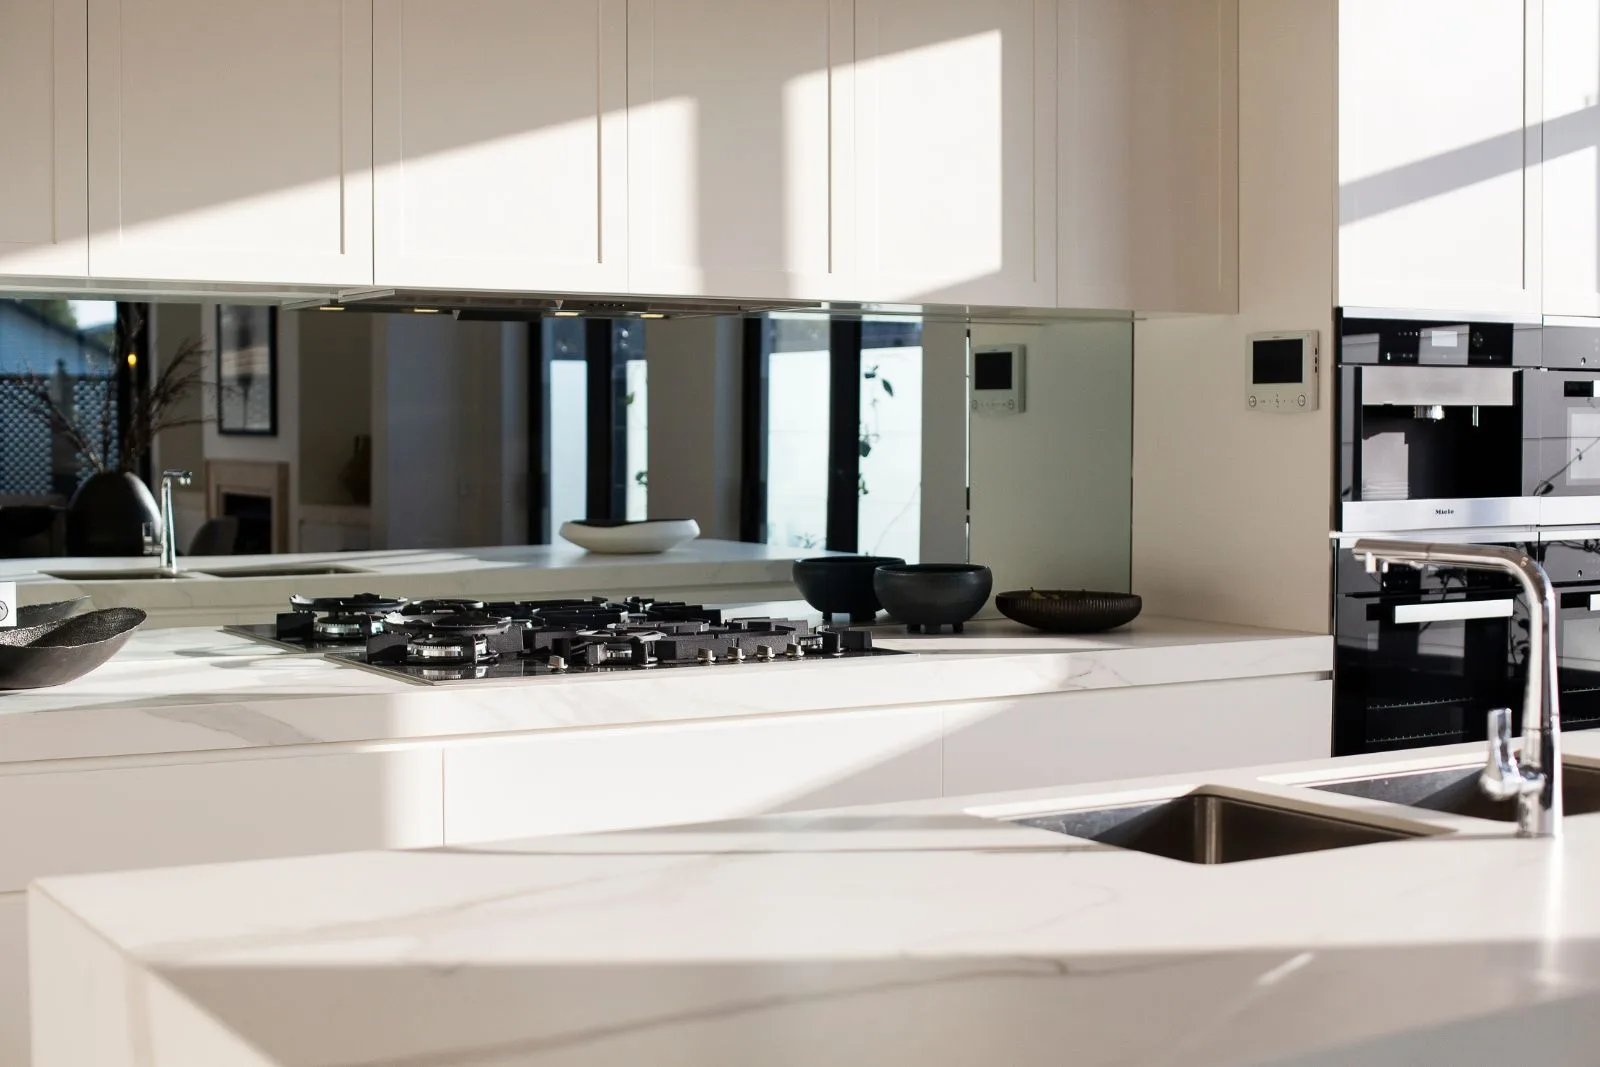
254,513
256,492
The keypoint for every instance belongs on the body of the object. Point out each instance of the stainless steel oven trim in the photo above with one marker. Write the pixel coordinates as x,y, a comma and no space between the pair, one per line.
1568,511
1377,516
1454,611
1447,386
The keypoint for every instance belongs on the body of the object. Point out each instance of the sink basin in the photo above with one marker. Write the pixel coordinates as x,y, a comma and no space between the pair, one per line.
285,571
1212,827
1455,790
113,576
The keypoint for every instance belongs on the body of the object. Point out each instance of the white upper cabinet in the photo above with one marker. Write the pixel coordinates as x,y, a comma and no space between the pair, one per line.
500,142
1571,157
1149,150
1439,191
739,147
43,162
955,137
231,141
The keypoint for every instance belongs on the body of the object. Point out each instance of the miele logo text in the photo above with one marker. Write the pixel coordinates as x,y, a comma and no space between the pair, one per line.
1444,511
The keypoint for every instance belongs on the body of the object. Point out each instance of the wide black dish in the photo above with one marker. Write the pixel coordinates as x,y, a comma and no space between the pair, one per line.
841,585
32,657
926,596
54,611
1069,611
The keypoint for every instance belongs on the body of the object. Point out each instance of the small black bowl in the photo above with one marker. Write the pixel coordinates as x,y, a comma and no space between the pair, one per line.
841,585
926,596
1069,611
33,657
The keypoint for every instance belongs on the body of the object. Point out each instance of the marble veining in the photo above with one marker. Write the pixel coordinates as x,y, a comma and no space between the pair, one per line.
926,933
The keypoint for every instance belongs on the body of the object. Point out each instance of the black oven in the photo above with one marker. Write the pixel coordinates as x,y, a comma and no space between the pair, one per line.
1434,426
1422,657
1563,405
1572,560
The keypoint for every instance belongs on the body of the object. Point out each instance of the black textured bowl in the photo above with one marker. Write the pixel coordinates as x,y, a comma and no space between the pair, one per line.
1069,611
54,611
841,585
33,657
926,596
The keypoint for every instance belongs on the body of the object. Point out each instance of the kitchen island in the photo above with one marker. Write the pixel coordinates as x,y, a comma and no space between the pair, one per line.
196,746
939,932
218,590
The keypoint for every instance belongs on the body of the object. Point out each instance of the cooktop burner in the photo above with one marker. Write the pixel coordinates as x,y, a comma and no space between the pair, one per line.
453,640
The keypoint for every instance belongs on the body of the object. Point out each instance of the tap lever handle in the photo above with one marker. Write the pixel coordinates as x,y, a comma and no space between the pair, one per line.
1503,776
181,477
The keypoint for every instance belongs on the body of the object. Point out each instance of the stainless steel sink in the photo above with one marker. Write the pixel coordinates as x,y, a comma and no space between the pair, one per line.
1455,790
113,576
1213,827
286,571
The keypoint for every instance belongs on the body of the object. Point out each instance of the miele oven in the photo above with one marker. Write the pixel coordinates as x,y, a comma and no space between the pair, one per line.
1571,558
1422,656
1563,416
1433,425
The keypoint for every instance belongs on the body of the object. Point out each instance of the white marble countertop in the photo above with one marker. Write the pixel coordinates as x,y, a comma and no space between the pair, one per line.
701,570
932,933
192,690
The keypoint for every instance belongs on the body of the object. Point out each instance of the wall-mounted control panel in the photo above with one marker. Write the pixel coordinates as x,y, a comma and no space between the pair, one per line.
1283,372
999,378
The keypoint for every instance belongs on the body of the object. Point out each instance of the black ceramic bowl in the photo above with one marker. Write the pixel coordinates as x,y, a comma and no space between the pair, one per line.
841,585
1069,611
926,596
32,657
54,611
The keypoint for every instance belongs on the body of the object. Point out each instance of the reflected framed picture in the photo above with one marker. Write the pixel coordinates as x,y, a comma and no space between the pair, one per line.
247,370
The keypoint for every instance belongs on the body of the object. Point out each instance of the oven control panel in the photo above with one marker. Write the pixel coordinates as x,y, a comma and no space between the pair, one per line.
1282,372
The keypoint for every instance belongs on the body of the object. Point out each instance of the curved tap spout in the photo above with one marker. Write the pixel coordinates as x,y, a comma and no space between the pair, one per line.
169,548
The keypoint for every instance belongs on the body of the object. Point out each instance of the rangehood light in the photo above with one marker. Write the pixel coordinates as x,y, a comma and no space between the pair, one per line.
425,311
330,307
652,315
566,314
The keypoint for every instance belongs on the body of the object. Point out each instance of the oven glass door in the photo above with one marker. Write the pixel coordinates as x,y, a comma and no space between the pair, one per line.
1578,658
1420,670
1564,411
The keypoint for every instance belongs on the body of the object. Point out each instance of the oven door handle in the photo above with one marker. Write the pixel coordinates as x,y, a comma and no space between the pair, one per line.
1454,611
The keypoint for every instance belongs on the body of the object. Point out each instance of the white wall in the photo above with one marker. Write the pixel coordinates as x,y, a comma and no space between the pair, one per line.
944,442
1050,488
449,416
1231,507
694,367
334,399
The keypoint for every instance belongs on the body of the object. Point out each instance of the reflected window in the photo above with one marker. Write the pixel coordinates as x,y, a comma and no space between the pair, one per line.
567,414
890,475
796,439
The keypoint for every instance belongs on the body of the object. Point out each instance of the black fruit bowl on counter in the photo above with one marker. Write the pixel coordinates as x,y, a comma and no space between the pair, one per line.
1069,611
33,657
841,585
928,596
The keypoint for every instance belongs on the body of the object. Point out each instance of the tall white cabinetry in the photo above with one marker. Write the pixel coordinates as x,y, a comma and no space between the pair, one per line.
43,170
740,147
955,164
231,141
500,144
1439,151
1571,142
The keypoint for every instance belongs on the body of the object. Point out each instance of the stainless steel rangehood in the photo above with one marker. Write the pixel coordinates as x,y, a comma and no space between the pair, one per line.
504,305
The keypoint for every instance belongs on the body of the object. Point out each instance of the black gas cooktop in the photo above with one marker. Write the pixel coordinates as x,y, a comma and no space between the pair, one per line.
458,640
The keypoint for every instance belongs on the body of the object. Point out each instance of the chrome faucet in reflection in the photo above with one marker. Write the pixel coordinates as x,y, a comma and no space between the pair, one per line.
1535,780
169,549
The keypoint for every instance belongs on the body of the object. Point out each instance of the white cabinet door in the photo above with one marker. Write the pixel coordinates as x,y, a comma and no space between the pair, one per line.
1571,165
1149,154
739,148
591,780
44,169
499,136
231,141
14,980
956,151
1439,192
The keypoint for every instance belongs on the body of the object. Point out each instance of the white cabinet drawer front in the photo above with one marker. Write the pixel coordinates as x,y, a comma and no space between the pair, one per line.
231,141
738,127
44,167
500,143
77,822
612,779
1137,732
13,980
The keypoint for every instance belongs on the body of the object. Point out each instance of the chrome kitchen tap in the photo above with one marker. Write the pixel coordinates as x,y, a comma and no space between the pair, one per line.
169,550
1536,780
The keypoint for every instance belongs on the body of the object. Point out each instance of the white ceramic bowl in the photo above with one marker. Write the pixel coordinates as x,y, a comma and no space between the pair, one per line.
625,538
